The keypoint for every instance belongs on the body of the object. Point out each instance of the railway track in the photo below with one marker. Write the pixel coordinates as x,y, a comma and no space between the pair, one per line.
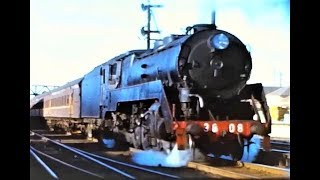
280,144
73,159
93,158
279,154
35,153
119,160
66,160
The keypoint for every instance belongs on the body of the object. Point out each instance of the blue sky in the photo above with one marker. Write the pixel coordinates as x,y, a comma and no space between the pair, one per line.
69,38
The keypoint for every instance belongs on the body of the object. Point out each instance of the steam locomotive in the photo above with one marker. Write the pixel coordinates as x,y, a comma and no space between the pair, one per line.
189,88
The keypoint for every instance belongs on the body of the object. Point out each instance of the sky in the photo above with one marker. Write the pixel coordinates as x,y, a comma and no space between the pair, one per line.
70,38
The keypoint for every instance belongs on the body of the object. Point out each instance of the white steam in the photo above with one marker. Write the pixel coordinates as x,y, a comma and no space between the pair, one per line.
109,143
176,158
248,156
254,148
179,158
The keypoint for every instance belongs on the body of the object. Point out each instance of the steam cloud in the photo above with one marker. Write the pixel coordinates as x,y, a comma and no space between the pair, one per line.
254,149
109,143
179,158
248,156
176,158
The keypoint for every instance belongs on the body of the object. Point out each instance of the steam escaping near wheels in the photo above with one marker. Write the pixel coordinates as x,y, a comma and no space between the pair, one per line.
250,151
109,143
179,158
175,158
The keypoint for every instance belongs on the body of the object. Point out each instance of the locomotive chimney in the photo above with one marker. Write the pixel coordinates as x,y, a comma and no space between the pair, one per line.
213,19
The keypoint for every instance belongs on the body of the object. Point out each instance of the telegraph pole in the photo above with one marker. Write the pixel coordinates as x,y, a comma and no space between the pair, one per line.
149,22
148,31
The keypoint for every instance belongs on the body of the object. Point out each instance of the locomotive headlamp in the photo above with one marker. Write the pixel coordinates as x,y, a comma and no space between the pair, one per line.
219,41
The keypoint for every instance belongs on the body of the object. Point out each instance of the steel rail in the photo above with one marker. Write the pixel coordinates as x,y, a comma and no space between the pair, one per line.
66,164
129,165
89,157
43,164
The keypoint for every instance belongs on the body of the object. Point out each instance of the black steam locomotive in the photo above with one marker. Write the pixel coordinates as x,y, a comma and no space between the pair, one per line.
188,88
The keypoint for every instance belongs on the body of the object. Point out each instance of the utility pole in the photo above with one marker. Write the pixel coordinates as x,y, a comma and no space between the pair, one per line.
148,31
